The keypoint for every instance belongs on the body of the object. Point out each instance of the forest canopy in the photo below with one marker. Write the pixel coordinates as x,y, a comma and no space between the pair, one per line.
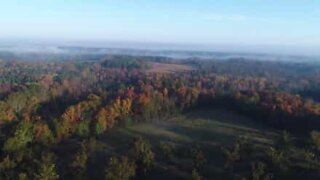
78,119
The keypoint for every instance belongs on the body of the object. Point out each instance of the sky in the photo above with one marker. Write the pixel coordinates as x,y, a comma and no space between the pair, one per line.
265,23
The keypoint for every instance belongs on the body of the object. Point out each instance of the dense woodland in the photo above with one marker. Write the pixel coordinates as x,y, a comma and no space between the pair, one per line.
55,114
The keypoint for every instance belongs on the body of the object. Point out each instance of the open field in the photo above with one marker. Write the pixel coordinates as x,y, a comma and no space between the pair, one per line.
168,68
211,129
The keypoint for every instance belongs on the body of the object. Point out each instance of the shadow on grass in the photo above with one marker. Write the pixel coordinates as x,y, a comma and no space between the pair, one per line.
217,128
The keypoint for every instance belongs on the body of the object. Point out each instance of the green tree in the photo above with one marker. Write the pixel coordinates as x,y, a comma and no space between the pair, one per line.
143,153
195,175
47,168
120,169
83,128
23,176
315,139
79,163
80,160
43,134
22,136
6,112
239,151
278,159
198,157
258,171
7,166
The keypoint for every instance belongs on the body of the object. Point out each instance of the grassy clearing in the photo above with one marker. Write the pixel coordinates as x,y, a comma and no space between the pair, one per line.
212,129
168,68
208,126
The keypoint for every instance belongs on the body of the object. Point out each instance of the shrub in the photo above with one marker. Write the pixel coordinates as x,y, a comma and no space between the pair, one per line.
258,171
277,159
167,149
7,166
99,128
120,169
143,153
83,128
239,150
79,164
47,168
232,156
284,142
198,157
23,176
315,139
80,160
195,175
310,158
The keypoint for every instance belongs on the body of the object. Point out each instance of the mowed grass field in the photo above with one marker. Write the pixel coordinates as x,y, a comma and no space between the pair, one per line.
212,129
165,68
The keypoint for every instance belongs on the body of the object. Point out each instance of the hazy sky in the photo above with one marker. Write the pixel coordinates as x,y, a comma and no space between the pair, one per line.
264,22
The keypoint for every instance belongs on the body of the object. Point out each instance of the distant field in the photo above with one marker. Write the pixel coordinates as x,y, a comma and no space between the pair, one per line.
168,68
